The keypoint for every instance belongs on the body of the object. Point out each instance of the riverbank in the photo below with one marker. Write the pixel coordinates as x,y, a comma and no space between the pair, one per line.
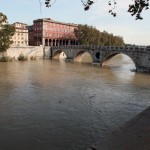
134,135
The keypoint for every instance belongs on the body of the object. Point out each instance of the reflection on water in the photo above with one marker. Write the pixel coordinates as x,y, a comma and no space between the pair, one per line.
53,105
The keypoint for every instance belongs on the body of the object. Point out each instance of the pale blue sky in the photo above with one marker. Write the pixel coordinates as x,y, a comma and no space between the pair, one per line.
71,11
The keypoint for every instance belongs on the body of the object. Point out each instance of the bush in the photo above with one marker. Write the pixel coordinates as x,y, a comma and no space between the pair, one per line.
5,59
22,57
33,57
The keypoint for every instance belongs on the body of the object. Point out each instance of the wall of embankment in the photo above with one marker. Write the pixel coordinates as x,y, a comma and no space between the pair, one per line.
29,51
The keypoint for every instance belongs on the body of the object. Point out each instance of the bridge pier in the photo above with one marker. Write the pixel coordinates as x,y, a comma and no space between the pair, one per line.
142,61
97,64
143,69
68,59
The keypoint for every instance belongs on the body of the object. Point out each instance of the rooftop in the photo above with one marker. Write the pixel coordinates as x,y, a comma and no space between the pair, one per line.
53,21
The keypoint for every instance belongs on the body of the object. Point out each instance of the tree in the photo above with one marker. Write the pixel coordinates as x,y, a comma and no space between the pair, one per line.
6,32
135,8
89,35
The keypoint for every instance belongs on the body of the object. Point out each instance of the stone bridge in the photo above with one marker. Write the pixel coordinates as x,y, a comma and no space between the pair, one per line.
140,55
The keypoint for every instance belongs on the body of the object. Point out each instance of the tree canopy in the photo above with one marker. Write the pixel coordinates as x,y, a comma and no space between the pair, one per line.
135,8
6,32
89,35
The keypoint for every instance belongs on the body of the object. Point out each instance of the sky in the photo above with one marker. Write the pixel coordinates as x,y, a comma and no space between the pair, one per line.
72,11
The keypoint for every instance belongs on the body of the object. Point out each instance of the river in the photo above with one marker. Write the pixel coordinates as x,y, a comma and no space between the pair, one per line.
54,105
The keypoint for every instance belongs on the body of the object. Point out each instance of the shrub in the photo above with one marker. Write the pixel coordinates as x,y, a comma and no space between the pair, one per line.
22,57
4,58
33,57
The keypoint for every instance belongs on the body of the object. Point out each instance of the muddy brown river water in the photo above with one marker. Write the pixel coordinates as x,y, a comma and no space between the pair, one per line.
53,105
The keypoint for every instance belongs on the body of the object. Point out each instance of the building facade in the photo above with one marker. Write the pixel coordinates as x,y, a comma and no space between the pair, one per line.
47,32
31,35
20,38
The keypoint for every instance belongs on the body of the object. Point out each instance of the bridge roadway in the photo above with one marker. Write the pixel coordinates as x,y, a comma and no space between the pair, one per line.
140,55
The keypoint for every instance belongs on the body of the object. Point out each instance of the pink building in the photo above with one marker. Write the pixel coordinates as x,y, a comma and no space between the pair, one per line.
48,32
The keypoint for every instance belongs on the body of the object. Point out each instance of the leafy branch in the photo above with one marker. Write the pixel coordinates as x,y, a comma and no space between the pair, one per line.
135,9
112,9
49,3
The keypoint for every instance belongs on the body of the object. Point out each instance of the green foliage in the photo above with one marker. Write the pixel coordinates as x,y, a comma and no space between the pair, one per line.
6,32
22,57
5,58
89,35
3,18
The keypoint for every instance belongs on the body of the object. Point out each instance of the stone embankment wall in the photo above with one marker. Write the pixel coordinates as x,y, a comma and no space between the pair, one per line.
29,51
134,135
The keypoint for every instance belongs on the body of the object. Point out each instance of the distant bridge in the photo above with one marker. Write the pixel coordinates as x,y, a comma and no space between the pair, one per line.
140,55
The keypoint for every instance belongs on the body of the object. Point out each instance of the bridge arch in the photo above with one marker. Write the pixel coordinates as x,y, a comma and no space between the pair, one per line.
83,56
110,56
59,54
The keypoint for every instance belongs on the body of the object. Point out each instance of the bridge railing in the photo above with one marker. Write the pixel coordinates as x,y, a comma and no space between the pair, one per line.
95,47
77,46
136,48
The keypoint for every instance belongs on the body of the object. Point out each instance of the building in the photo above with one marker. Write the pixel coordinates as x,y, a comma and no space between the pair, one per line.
20,38
48,32
31,35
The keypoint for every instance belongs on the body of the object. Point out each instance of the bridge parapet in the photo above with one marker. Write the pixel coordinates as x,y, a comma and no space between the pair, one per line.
94,47
77,47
